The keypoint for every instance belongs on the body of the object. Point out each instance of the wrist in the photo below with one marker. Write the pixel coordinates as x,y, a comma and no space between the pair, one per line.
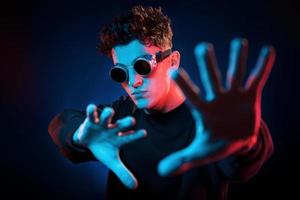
75,138
249,145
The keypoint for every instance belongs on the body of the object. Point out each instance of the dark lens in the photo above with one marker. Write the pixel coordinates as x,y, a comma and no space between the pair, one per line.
142,67
118,74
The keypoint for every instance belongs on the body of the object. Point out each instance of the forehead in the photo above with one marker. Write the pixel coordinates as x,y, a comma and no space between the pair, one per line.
126,54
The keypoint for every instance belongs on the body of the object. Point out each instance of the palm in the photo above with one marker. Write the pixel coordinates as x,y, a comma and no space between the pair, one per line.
105,139
107,146
232,115
228,119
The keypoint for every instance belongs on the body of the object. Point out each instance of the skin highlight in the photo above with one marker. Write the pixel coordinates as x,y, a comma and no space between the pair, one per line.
157,92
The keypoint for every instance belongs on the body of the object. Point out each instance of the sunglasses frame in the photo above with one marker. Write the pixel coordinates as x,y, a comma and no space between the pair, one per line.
152,61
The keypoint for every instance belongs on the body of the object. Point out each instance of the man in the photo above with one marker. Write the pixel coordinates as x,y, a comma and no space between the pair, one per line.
164,140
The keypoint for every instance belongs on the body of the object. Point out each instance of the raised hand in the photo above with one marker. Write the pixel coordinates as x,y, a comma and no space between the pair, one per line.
228,119
105,139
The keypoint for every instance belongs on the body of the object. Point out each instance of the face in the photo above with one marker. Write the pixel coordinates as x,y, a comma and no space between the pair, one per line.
151,91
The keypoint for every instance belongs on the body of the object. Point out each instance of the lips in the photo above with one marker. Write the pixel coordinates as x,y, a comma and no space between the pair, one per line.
138,93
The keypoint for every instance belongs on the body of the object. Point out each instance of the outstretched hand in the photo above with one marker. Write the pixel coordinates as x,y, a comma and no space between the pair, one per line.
105,139
228,119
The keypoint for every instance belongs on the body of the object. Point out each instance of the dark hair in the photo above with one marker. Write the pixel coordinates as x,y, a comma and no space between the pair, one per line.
147,24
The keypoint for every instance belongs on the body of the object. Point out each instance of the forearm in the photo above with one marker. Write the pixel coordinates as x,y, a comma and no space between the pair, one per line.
62,130
244,165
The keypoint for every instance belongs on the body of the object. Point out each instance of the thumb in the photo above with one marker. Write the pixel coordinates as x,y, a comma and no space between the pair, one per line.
111,159
125,176
172,164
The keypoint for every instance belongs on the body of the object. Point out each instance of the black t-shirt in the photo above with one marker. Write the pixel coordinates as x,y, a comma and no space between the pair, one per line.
166,133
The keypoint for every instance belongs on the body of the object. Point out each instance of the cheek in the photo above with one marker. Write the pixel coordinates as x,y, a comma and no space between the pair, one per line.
160,86
125,87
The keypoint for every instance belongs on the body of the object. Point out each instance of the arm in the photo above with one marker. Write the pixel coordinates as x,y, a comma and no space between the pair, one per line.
96,136
61,129
64,128
244,165
227,119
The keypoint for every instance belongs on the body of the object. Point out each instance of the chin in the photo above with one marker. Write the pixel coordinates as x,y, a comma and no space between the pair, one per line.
142,103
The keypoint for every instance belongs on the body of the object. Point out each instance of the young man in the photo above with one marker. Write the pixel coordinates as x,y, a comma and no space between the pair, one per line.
164,140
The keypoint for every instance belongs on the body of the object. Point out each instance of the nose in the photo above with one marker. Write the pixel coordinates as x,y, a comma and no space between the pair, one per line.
134,80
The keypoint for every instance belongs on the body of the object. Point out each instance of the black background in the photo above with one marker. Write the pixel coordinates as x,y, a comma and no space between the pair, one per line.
49,62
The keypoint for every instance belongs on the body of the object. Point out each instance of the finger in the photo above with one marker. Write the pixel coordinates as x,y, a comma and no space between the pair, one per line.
106,116
111,159
190,90
172,163
199,123
126,133
260,73
124,124
209,73
125,176
237,63
92,113
132,137
178,161
192,156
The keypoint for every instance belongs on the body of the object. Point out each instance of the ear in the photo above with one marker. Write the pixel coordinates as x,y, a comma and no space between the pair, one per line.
113,56
175,59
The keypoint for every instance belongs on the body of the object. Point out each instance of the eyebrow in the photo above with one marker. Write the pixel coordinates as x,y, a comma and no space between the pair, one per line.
134,59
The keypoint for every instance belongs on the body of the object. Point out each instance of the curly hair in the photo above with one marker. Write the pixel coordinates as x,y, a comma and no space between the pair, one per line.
147,24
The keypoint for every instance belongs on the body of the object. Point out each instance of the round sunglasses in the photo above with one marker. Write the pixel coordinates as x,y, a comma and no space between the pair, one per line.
143,66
